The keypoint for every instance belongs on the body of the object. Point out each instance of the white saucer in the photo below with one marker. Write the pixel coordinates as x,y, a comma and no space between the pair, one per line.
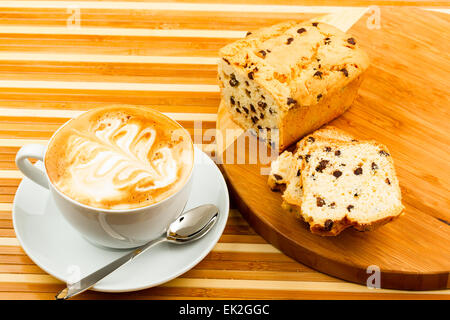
62,252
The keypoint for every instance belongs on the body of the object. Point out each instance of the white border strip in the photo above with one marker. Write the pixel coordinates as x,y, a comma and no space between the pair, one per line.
172,6
111,86
10,174
447,11
20,142
106,58
67,114
128,32
4,206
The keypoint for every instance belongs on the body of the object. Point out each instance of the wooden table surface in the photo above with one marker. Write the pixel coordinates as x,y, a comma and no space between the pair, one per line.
58,58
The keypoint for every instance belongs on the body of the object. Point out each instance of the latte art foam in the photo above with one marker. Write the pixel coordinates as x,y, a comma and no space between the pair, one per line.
120,158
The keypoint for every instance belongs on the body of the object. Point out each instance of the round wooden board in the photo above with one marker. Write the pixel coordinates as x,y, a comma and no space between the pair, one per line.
402,103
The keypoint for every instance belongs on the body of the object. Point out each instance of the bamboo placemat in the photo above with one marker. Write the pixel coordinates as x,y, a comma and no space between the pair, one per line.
155,54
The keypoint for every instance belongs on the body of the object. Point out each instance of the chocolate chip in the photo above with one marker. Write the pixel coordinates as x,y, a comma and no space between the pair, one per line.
277,176
311,139
355,195
233,81
332,205
263,53
319,96
315,24
246,83
262,96
351,41
245,109
261,115
374,166
289,40
320,202
298,173
327,40
350,207
238,111
291,101
358,171
252,107
262,104
250,75
232,100
270,111
344,71
384,153
318,74
337,173
254,119
337,153
327,149
248,33
322,165
307,157
328,225
259,127
226,60
248,93
388,181
301,30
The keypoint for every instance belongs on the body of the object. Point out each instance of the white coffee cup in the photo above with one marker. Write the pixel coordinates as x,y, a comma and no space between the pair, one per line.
127,228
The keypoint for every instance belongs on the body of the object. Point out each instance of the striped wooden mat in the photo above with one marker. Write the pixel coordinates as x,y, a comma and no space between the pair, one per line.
59,58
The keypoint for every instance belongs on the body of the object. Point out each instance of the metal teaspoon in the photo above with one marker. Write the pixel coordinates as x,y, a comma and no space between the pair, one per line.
191,225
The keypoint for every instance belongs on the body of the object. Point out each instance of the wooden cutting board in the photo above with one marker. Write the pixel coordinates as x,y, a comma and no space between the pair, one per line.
404,104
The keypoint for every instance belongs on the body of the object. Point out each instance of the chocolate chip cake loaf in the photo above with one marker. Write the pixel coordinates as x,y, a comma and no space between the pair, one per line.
287,80
336,182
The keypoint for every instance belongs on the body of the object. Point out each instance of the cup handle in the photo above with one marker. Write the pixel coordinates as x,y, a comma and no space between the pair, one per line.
35,151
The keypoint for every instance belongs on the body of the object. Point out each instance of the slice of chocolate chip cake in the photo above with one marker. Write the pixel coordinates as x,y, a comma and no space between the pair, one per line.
292,196
286,168
289,79
349,184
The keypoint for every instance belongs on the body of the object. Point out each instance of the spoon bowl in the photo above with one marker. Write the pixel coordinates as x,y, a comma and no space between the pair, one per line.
193,224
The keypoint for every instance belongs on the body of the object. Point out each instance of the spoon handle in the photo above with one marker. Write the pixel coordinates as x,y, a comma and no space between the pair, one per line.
87,282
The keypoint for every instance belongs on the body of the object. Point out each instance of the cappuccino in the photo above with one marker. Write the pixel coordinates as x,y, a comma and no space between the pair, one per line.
120,158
